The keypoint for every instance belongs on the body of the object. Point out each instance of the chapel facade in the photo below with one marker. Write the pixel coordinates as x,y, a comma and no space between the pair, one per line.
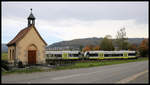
27,46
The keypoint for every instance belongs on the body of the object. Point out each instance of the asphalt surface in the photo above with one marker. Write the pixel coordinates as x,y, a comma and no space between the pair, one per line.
134,72
141,79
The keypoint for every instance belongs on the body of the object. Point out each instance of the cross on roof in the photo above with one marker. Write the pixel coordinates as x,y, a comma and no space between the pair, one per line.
31,10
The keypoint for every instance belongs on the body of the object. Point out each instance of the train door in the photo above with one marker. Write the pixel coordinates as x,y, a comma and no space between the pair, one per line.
125,55
101,55
65,55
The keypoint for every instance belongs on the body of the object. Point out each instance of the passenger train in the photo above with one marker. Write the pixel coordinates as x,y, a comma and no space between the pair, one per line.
74,55
110,54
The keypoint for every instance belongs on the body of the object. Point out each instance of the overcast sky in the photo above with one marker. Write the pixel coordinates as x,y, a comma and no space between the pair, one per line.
58,21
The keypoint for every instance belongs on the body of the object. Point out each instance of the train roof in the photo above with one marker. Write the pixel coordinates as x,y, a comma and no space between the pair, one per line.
61,52
108,52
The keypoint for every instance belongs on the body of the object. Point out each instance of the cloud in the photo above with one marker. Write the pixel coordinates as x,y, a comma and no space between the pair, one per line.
73,28
10,27
68,29
79,10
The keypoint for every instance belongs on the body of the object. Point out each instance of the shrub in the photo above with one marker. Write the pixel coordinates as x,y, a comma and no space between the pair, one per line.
5,64
143,48
20,65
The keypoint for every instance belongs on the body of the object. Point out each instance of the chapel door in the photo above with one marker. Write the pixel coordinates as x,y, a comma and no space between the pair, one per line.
32,57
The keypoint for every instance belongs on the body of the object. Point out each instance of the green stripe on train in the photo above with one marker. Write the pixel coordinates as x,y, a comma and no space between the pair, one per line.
73,58
111,57
93,57
65,56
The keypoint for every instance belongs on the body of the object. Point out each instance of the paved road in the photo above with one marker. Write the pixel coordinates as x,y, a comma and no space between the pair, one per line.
135,72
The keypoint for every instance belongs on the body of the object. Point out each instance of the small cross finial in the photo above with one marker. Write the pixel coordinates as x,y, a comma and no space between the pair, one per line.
31,10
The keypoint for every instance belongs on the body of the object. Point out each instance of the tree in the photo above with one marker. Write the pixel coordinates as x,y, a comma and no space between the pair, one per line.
106,44
143,48
86,48
91,47
125,45
80,47
97,47
133,47
121,40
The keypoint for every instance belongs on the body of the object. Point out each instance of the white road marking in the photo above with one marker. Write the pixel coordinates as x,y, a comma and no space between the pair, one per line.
128,79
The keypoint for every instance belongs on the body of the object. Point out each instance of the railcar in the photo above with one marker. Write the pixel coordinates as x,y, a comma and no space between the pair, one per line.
62,54
110,54
61,57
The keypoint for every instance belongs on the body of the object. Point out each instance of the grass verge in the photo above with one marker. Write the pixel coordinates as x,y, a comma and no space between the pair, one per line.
23,70
76,65
4,56
96,63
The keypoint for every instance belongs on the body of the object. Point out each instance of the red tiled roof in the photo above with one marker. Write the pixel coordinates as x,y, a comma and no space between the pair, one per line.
21,34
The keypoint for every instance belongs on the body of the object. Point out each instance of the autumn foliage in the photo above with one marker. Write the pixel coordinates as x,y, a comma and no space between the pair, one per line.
96,47
86,48
90,47
143,48
133,47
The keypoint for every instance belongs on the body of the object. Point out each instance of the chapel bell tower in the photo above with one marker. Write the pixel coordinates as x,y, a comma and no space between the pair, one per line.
31,19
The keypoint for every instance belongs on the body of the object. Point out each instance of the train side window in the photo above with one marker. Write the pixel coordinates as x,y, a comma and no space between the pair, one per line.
93,55
110,55
70,55
116,55
131,54
76,55
58,55
106,55
73,55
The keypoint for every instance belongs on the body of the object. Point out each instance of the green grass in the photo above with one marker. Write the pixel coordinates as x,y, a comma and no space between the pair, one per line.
76,65
96,63
29,70
4,56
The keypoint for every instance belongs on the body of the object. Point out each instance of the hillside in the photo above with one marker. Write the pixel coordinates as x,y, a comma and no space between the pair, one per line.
4,48
76,43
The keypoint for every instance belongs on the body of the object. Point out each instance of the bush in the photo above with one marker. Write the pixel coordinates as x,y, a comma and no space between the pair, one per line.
20,65
143,48
143,53
5,64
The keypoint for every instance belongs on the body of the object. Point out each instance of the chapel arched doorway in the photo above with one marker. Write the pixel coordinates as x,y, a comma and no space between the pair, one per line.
32,51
